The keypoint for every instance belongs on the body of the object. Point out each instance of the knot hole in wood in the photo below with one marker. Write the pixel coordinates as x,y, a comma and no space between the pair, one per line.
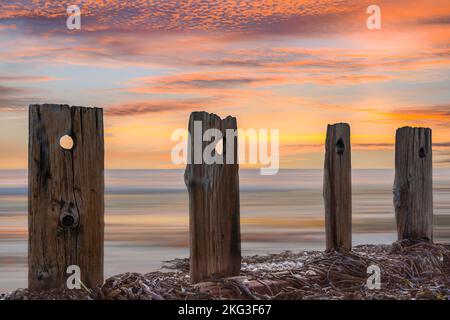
69,220
422,152
340,147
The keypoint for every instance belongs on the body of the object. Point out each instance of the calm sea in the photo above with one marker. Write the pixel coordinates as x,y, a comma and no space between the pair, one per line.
147,216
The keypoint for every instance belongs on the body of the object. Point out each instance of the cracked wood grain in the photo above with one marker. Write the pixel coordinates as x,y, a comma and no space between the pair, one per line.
66,195
215,244
337,188
413,186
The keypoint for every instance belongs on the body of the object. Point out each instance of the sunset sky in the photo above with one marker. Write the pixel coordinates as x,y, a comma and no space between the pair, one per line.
289,65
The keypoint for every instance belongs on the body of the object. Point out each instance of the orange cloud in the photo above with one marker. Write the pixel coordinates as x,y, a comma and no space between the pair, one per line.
432,115
262,16
228,15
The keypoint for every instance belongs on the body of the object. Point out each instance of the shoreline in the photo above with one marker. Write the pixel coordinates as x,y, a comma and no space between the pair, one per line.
409,271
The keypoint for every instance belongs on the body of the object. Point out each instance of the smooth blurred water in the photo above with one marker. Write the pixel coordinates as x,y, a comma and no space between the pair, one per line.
147,216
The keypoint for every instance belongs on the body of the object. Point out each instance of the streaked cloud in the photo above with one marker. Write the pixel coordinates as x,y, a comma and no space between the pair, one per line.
15,98
136,108
24,78
432,115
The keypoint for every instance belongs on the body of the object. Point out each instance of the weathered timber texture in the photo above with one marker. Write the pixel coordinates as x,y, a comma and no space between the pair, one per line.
66,195
214,217
337,188
413,186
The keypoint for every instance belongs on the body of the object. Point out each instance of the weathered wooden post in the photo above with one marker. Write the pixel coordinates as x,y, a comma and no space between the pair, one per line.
337,188
65,195
214,218
413,186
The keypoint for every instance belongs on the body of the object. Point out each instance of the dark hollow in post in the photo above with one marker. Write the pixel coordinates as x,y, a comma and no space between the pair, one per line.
69,219
337,188
214,217
413,185
65,195
422,153
340,147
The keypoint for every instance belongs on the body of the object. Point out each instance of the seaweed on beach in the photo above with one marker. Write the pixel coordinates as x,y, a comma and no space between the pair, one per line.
409,270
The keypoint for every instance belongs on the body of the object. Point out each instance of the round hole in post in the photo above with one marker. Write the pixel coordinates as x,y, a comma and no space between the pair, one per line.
66,142
340,147
67,221
422,152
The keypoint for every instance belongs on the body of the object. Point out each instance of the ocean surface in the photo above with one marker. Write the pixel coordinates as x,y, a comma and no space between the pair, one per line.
147,216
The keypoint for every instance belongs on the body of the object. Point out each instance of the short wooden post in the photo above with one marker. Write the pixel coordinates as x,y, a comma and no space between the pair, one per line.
214,218
337,188
66,195
413,186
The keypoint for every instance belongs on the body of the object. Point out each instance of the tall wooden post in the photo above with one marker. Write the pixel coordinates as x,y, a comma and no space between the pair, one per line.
413,186
337,188
66,195
215,245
